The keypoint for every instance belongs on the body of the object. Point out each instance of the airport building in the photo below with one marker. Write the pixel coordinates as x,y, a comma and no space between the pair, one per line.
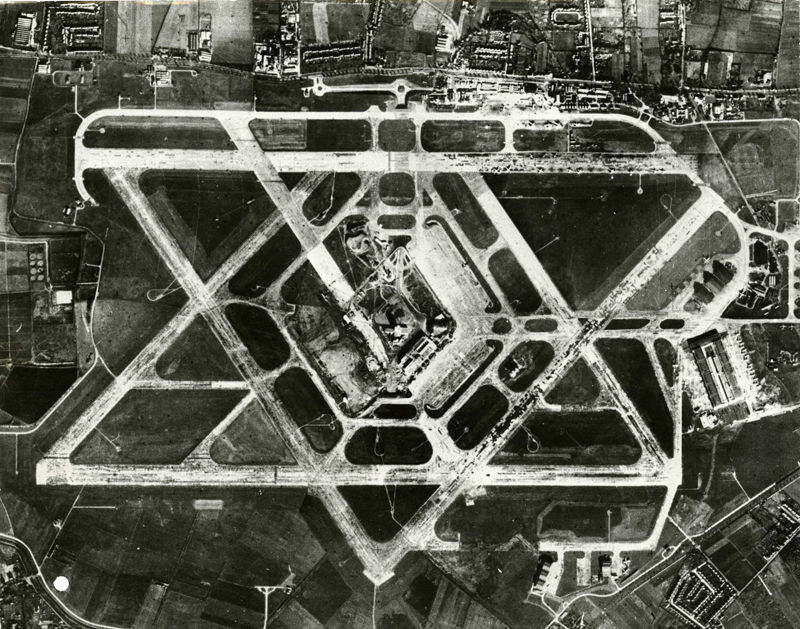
715,368
701,595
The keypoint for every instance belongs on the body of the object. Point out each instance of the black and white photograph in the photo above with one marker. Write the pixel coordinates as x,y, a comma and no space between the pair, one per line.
400,314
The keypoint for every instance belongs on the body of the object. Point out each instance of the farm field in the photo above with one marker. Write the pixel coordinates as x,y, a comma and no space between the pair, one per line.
717,25
772,349
211,546
17,75
787,73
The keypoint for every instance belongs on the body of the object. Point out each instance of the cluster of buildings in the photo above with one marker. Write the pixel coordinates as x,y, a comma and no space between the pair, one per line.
674,108
714,364
376,9
279,56
73,27
577,97
710,283
719,68
418,356
471,91
701,595
283,54
24,35
689,106
199,42
321,57
763,291
61,28
517,45
9,572
785,527
540,578
466,93
20,606
713,108
159,75
412,339
783,357
723,388
731,557
670,14
488,50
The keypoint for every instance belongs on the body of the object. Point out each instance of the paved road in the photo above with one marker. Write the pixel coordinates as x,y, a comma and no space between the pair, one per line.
378,161
467,471
322,473
206,473
43,589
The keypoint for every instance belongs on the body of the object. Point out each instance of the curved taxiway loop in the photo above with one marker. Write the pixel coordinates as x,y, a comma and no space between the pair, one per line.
663,159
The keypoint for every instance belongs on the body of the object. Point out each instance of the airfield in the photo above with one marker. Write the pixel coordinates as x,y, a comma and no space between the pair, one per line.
405,337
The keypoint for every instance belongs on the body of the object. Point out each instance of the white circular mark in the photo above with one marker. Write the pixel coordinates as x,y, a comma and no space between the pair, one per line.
61,584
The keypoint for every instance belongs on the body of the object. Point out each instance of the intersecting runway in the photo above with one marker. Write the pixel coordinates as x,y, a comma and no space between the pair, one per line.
453,471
